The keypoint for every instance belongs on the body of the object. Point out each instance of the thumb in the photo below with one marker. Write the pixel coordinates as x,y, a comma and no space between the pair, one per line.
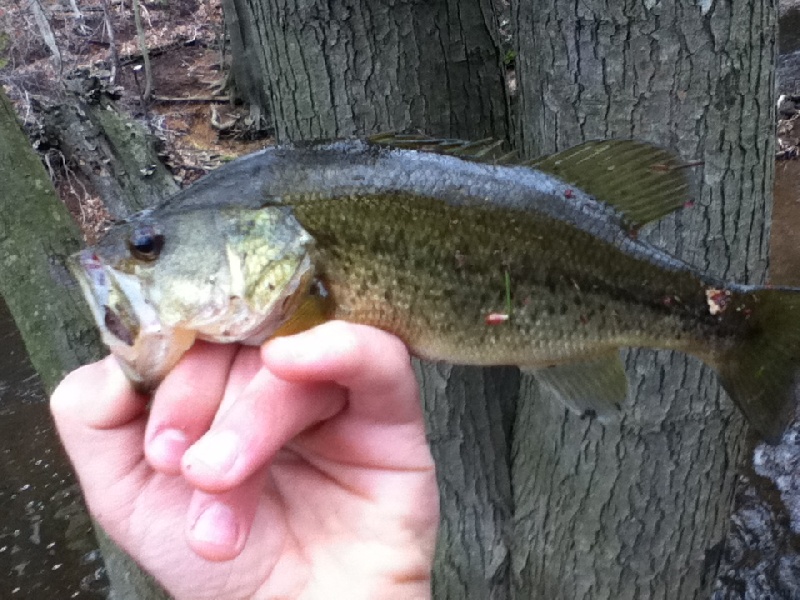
101,421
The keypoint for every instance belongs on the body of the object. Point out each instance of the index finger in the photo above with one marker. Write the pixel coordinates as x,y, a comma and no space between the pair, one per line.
371,364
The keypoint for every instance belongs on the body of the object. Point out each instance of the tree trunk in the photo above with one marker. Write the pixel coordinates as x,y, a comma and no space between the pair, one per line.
345,68
336,69
47,307
634,510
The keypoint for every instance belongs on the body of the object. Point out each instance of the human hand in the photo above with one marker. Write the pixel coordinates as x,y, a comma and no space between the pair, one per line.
300,473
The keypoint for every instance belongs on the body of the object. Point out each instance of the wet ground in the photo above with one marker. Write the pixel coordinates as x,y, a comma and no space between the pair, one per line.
789,32
47,548
789,60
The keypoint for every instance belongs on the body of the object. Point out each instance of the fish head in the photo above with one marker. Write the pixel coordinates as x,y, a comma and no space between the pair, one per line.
159,281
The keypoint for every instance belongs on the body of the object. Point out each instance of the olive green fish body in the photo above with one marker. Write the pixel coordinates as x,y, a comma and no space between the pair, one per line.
479,286
470,262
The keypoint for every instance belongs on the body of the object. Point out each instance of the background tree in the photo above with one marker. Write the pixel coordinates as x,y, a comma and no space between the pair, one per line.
635,510
36,235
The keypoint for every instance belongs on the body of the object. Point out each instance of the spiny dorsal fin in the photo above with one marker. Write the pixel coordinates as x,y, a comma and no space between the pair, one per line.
486,150
642,181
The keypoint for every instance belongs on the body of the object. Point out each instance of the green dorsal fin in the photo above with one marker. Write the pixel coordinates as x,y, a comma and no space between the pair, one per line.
642,181
486,150
596,386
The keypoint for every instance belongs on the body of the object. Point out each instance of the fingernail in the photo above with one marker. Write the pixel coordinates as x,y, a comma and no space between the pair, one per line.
294,349
216,451
167,447
217,525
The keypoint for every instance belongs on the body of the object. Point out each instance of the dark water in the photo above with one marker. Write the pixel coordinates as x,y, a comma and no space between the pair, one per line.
47,548
789,32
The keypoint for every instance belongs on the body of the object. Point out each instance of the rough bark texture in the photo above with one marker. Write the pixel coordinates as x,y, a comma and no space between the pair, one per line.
247,69
357,67
469,414
115,154
352,66
634,510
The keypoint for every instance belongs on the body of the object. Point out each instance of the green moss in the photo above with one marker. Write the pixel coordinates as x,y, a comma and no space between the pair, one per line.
4,44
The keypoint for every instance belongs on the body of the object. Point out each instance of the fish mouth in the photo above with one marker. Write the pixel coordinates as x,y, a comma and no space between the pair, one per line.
116,326
145,347
112,309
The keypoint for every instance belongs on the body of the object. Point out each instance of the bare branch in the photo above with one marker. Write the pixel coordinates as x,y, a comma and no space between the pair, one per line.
113,56
148,74
46,31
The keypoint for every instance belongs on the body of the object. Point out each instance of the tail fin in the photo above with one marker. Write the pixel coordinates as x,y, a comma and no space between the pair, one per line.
761,372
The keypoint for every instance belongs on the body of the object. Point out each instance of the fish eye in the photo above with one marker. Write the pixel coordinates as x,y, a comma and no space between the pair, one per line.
145,243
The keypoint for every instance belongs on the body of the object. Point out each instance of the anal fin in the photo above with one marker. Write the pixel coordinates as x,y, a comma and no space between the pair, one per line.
596,386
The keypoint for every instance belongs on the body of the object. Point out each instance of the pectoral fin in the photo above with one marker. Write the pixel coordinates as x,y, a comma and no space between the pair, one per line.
315,309
592,387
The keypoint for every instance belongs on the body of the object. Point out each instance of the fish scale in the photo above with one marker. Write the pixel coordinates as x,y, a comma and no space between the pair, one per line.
438,292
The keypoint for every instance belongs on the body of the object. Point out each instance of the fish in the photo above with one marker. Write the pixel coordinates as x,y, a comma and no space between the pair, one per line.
467,257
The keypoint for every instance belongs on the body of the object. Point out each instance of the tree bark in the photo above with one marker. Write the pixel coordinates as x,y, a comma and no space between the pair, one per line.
634,510
59,334
336,69
355,67
116,155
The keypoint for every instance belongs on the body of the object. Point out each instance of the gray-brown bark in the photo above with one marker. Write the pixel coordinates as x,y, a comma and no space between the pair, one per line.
633,510
116,155
49,310
340,68
247,68
352,68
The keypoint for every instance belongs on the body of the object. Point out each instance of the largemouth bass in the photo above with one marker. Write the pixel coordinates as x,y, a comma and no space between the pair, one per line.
467,261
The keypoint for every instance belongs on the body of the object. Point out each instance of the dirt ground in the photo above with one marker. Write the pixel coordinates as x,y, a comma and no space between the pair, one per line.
785,237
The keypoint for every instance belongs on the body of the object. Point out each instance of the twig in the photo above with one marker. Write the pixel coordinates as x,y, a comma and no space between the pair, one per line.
79,18
191,99
148,74
112,42
47,32
127,59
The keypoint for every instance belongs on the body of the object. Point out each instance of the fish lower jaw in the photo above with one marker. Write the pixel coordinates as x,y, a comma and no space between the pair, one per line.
238,324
